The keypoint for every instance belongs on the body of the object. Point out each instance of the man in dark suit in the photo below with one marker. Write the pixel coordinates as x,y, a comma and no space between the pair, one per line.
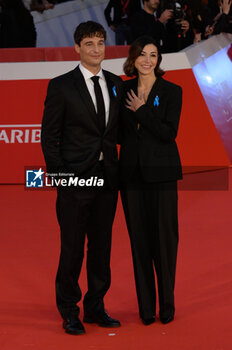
145,22
79,135
120,23
158,21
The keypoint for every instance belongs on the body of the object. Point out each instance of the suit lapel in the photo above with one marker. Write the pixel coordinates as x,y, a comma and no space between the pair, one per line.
85,95
133,86
84,92
155,91
111,87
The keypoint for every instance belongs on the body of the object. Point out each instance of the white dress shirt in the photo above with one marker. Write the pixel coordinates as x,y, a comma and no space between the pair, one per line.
90,85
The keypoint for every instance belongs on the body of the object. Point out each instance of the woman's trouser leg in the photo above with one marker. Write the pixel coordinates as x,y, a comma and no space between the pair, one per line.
166,236
135,214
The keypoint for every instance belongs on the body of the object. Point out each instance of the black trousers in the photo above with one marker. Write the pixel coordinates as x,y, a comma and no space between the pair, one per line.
82,212
152,222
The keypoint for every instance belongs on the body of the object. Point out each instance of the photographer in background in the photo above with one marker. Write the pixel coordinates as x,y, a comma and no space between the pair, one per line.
146,22
201,18
120,24
174,17
17,27
166,22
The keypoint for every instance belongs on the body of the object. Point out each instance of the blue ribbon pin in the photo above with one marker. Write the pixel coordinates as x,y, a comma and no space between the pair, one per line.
156,101
114,91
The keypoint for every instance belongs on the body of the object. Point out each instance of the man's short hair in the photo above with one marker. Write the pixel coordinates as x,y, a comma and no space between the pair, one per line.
88,29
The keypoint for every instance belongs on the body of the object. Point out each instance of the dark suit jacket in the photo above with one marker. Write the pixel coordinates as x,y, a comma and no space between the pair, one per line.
143,23
152,147
17,28
116,5
71,138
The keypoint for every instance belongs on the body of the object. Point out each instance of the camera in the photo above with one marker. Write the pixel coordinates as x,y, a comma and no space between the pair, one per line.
178,10
178,14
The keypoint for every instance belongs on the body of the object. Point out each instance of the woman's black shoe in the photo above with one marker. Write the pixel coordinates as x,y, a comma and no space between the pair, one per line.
148,321
167,319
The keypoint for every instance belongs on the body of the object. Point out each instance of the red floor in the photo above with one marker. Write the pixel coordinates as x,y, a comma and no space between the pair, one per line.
29,251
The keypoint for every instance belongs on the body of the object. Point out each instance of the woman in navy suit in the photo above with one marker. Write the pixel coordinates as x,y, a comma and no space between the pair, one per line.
150,167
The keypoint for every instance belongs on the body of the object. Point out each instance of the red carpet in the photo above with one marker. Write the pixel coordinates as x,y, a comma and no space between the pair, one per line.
29,256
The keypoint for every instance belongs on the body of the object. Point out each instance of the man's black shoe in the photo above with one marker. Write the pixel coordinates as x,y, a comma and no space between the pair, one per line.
148,321
74,326
167,319
102,319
